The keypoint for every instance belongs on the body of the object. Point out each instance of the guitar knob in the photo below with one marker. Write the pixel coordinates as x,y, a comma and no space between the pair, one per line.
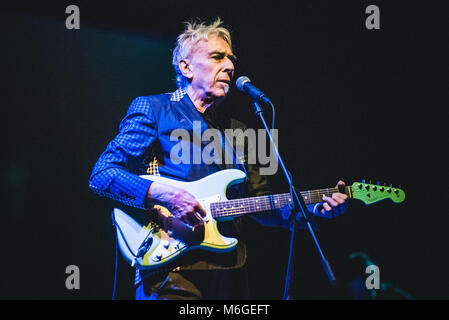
158,257
381,189
374,188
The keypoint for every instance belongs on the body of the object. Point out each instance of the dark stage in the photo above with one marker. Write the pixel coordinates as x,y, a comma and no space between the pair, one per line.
351,104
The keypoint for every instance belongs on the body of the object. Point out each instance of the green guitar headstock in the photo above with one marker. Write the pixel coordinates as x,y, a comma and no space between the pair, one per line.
372,193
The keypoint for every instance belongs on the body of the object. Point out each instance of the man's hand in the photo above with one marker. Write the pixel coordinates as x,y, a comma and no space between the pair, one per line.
179,202
332,206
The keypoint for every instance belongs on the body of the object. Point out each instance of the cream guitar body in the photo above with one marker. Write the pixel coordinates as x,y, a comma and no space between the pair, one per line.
173,238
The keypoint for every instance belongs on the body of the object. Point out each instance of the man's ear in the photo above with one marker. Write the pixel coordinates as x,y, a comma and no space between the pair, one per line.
184,66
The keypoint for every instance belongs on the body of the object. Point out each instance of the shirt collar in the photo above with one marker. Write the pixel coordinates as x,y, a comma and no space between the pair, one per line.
178,94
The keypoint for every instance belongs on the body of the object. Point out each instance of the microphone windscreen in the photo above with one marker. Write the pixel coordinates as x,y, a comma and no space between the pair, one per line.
240,82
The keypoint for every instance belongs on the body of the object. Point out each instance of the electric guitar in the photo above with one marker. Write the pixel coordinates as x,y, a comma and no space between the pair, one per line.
149,247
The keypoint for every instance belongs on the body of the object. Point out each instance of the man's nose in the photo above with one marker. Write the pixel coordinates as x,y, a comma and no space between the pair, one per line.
229,67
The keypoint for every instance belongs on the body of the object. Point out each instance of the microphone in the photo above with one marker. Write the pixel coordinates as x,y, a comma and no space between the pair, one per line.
244,84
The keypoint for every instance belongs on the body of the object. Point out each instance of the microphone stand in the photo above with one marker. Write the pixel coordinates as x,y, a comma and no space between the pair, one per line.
299,209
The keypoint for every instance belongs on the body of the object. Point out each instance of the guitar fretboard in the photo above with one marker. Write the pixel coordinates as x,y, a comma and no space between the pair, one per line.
268,202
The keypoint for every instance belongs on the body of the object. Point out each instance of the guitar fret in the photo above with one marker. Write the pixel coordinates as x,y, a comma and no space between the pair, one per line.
268,202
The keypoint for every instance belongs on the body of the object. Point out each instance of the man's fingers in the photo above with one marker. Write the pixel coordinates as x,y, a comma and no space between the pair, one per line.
190,219
198,208
335,204
194,219
341,195
338,197
341,186
326,207
186,220
330,201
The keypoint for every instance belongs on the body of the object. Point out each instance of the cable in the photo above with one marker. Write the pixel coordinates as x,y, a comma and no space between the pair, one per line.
116,263
274,114
141,251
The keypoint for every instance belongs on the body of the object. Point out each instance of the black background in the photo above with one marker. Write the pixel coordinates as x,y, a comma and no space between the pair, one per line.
351,104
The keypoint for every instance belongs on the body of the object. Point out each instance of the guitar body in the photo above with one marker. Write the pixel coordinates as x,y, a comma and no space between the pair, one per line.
174,238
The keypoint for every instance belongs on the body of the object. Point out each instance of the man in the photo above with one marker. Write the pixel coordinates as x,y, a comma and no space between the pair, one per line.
204,63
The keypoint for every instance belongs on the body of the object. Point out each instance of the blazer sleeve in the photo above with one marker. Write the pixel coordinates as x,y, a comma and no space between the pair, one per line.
115,175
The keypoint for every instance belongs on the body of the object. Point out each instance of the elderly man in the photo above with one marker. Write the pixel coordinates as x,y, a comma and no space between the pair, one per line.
204,63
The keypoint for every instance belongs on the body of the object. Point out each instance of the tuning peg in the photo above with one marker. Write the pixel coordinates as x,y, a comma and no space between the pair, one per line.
363,180
378,183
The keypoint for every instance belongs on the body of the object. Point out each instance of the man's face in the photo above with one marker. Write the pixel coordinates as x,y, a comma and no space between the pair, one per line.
212,68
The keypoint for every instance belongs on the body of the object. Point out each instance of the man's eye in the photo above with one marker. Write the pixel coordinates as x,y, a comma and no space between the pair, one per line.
219,57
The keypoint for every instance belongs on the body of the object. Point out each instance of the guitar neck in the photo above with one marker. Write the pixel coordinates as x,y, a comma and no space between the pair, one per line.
242,206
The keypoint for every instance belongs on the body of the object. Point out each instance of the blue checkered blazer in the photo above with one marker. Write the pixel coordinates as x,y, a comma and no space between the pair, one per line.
144,134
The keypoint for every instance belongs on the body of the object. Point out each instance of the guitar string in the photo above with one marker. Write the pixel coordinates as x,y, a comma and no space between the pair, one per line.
242,209
264,203
265,200
311,198
311,194
261,204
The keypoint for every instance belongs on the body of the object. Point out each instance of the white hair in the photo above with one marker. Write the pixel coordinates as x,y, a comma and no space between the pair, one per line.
194,32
